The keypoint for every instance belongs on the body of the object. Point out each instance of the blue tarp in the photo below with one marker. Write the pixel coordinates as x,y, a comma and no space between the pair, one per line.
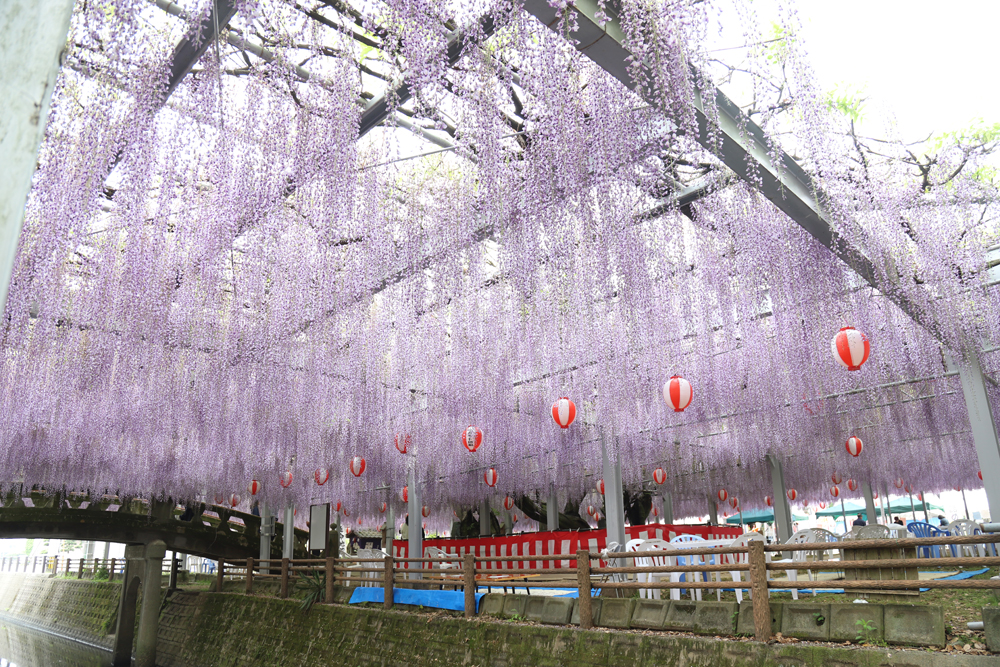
454,600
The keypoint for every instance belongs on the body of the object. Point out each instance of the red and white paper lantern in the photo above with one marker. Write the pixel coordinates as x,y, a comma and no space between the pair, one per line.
734,502
792,494
656,512
836,478
337,507
822,505
852,485
321,475
805,503
472,437
850,348
600,486
254,487
590,510
383,507
899,483
677,393
854,445
219,499
490,477
722,495
358,466
426,511
564,412
405,495
286,479
835,491
659,476
234,500
508,503
769,501
908,488
980,474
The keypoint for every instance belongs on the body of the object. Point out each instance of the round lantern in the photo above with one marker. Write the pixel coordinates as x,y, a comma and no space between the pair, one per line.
734,502
836,478
792,494
768,501
920,497
508,503
426,511
219,499
402,443
677,393
852,485
600,486
234,500
722,495
899,483
957,488
513,519
822,505
656,512
597,516
254,488
405,495
835,491
980,474
805,503
590,510
659,476
337,507
490,477
850,347
908,488
854,445
358,466
874,495
383,507
472,437
286,479
344,512
564,412
321,475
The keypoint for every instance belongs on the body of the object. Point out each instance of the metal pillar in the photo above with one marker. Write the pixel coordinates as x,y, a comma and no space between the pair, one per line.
32,38
485,530
613,504
149,618
782,511
552,509
966,504
713,511
266,532
390,529
984,432
923,499
843,513
913,509
870,510
668,508
288,536
415,541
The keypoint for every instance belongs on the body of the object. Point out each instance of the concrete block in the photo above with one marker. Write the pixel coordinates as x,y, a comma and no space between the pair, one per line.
914,625
650,614
616,612
492,604
533,608
342,594
715,618
595,611
680,616
557,611
745,626
847,621
806,621
991,625
513,605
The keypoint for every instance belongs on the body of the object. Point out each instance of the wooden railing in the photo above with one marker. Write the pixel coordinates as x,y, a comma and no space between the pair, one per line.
756,565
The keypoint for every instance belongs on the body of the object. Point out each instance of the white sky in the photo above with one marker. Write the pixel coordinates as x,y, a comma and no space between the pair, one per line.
931,64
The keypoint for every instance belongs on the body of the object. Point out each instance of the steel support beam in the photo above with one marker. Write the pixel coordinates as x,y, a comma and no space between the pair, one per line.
415,536
288,538
984,431
613,502
713,511
725,131
870,510
552,510
668,508
782,511
485,530
190,49
32,37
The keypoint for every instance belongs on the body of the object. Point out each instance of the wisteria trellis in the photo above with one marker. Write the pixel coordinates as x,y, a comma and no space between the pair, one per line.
234,285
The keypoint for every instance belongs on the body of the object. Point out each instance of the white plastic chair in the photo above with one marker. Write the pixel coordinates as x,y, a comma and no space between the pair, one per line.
631,547
675,593
801,537
370,579
742,559
965,527
652,560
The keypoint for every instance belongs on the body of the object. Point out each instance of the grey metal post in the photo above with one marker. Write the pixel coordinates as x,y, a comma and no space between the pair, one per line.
288,538
923,499
964,502
107,551
149,617
485,530
870,510
713,511
32,38
552,509
390,528
782,511
266,532
415,544
613,504
843,513
888,505
984,432
668,508
913,509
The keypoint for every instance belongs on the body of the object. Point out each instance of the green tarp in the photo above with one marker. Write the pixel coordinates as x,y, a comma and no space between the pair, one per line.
897,506
761,516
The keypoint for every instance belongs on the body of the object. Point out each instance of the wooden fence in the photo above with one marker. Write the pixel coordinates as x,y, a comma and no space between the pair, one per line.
475,571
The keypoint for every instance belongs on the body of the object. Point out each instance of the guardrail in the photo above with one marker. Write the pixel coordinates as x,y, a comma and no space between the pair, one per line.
471,574
55,566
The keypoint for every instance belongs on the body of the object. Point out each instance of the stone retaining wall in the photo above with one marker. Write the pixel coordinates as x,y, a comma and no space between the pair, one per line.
81,610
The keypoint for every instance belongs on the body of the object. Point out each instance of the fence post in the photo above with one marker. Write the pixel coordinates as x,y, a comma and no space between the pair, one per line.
583,583
388,581
220,573
758,591
249,575
79,570
469,583
55,566
111,570
331,578
284,577
67,565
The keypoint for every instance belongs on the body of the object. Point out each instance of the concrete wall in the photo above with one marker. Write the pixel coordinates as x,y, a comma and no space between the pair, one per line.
82,610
